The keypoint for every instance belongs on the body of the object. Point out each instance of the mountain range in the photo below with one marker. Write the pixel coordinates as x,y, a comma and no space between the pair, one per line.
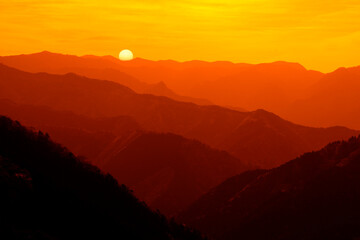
104,68
167,171
170,172
333,101
47,193
242,134
312,197
222,170
288,89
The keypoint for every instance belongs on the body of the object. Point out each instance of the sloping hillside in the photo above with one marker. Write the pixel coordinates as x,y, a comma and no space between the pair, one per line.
334,100
315,196
47,193
277,139
104,68
168,171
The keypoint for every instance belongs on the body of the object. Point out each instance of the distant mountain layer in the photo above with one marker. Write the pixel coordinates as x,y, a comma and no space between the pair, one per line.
47,193
104,68
288,89
167,171
84,136
334,100
315,196
257,138
270,86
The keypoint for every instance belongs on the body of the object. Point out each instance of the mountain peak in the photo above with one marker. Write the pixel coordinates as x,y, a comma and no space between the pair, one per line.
283,65
45,53
161,84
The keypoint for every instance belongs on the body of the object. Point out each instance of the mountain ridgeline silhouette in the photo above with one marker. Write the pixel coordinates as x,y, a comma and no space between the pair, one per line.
315,196
47,193
333,101
104,68
242,134
222,170
288,89
270,86
84,136
168,171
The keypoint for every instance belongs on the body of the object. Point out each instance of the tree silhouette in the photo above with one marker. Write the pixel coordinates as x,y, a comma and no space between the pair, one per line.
47,193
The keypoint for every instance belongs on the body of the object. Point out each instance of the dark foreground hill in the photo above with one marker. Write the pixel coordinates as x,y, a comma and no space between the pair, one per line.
84,136
47,193
259,137
167,171
315,196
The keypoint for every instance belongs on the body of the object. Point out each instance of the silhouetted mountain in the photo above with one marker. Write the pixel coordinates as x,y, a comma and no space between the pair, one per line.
168,171
160,89
270,86
47,193
259,137
332,101
315,196
262,135
287,89
84,136
105,68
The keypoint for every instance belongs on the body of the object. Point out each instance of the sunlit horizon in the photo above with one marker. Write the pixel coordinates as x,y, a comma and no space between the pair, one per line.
115,56
320,35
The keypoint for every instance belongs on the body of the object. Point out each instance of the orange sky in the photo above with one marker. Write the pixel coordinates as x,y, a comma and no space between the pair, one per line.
320,34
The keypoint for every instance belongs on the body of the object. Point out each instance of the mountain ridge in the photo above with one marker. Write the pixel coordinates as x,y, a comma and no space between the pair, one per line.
44,184
90,66
216,126
116,144
311,197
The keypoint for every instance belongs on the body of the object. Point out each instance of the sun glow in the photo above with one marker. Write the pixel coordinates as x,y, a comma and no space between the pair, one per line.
321,35
126,55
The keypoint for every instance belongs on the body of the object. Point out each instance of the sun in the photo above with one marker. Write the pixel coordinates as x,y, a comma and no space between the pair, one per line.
126,55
